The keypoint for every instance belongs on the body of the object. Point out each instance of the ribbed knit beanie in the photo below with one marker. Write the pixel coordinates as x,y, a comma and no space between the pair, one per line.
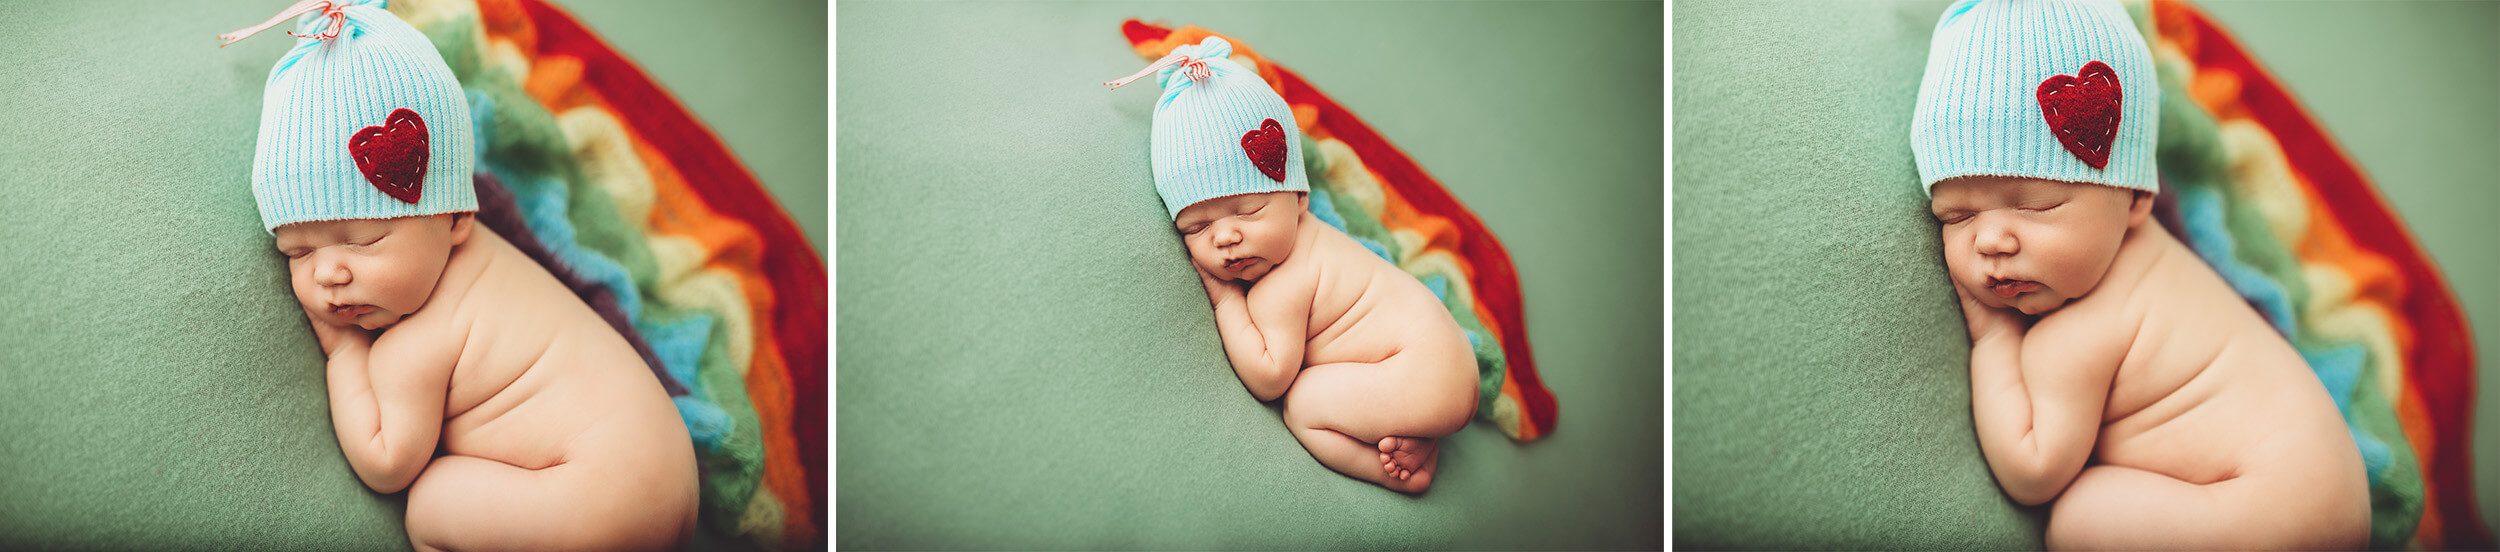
1219,131
360,120
2049,89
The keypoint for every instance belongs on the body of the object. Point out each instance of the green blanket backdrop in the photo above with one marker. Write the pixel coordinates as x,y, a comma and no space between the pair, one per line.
1027,361
1822,395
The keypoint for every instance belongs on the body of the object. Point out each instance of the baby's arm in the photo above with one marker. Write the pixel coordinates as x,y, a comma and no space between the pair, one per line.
2037,402
1263,332
387,408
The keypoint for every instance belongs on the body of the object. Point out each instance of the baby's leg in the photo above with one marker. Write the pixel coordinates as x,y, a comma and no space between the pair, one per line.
469,503
1340,411
2116,507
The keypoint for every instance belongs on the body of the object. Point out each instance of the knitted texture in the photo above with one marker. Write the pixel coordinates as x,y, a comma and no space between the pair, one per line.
368,125
1226,135
2049,89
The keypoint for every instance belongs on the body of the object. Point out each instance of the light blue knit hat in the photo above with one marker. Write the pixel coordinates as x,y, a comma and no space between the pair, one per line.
361,120
1219,131
2021,88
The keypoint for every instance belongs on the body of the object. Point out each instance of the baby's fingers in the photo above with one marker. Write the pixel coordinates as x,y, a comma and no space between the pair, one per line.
1970,305
332,336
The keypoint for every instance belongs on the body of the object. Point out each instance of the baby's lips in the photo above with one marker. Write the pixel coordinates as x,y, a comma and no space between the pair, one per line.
2007,289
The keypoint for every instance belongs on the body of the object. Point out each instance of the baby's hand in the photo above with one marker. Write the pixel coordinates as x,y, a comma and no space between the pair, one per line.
1985,321
334,336
1218,290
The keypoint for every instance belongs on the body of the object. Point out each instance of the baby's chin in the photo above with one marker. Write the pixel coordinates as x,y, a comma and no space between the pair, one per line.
2034,310
2033,303
2037,303
377,320
1256,271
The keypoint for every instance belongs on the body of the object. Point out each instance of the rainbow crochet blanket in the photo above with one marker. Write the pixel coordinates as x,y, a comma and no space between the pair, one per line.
1367,188
626,193
2265,197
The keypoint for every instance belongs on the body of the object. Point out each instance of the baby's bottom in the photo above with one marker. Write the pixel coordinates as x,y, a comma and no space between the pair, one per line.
1341,412
471,503
2117,507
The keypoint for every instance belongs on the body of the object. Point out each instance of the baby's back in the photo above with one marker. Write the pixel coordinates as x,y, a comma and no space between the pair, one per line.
541,379
1365,309
2209,391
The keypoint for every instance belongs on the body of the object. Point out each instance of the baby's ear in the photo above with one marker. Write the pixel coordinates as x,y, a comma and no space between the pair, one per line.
2140,207
1305,199
460,225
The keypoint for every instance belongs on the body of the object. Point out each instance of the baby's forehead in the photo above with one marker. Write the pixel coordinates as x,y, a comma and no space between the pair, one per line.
298,233
1216,207
1997,188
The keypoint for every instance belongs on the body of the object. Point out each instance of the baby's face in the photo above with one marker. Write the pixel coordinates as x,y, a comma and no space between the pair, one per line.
369,273
1241,237
2030,244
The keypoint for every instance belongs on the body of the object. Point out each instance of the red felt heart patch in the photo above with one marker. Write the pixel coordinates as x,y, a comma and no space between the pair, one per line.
1266,147
393,156
2082,110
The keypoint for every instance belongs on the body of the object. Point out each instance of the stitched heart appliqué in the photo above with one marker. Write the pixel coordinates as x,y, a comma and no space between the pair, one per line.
2082,110
1266,147
393,156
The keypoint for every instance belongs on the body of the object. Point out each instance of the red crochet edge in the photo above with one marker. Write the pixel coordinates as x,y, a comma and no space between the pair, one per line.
790,263
1495,282
2441,367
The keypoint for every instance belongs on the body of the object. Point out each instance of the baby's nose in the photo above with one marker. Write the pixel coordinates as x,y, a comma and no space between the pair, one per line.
1998,243
332,275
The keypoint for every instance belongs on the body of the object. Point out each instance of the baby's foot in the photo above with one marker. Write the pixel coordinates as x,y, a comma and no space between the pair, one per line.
1401,457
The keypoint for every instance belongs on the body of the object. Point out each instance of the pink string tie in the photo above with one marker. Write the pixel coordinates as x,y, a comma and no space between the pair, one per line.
338,20
1194,68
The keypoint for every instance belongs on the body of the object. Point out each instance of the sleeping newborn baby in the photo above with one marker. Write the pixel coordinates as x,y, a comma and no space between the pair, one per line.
459,370
2112,371
1373,369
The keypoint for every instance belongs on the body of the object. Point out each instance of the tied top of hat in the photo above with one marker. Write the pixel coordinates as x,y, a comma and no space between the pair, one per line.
1219,130
2049,89
361,119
